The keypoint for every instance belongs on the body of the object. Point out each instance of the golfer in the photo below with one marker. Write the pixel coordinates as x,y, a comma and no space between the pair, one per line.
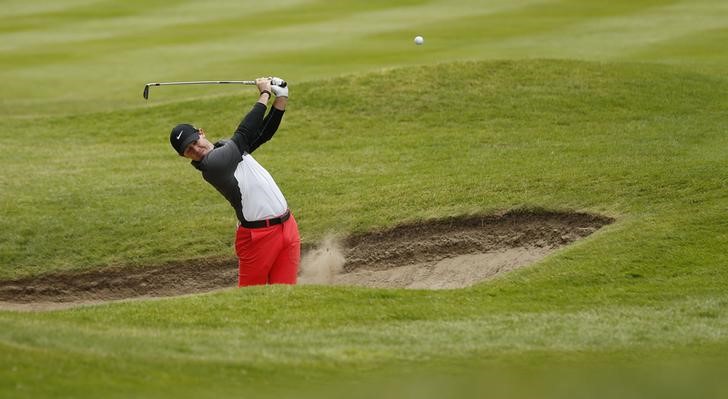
267,241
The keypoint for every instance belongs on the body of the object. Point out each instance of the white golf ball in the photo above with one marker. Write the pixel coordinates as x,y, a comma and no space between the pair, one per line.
419,40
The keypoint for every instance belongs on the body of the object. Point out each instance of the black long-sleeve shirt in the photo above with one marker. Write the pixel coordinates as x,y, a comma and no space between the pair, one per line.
255,130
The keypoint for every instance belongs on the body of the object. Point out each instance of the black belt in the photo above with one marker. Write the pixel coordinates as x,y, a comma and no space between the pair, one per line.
257,224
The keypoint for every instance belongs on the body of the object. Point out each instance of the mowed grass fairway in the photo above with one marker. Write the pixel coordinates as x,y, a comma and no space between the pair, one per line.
616,108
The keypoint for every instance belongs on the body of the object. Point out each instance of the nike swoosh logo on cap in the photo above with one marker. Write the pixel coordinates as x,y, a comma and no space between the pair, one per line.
179,135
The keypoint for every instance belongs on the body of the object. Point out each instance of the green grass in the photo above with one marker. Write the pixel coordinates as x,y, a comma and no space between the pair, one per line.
87,56
616,108
554,134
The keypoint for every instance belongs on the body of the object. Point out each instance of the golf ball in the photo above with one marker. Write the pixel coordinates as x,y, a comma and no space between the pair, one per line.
419,40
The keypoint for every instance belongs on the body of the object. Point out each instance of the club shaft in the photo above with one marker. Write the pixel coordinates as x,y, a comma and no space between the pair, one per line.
204,82
201,82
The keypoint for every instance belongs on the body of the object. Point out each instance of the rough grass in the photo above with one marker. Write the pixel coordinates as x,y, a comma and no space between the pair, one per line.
609,138
639,142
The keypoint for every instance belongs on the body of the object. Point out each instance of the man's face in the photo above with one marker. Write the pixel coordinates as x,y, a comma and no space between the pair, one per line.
198,149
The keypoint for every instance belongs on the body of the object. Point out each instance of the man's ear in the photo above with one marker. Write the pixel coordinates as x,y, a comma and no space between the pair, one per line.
201,133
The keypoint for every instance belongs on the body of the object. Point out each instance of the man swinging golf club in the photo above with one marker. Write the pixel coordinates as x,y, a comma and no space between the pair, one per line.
267,241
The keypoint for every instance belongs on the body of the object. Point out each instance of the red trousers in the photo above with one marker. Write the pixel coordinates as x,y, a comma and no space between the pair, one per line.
268,255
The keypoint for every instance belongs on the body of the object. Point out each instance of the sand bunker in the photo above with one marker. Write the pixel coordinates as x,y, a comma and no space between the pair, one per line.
447,253
450,253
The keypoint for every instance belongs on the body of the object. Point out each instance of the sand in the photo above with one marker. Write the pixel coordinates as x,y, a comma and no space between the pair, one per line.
446,253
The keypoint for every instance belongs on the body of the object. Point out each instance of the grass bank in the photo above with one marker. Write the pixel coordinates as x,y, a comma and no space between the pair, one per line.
639,142
643,143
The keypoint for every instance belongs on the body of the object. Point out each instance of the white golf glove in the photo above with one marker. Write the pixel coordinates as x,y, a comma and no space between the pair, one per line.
277,90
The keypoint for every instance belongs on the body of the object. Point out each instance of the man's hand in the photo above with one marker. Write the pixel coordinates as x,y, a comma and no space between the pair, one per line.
277,90
263,84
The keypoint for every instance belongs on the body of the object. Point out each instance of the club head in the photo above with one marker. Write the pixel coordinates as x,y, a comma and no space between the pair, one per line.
146,92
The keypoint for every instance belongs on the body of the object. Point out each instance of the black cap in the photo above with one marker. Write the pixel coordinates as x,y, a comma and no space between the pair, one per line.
182,136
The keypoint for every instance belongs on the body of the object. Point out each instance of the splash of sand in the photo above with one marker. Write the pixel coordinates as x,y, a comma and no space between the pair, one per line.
323,263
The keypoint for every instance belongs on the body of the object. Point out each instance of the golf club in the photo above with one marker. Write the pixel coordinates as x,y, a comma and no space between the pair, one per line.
202,82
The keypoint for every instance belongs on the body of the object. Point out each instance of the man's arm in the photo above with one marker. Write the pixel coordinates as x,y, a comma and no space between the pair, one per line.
270,123
251,127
